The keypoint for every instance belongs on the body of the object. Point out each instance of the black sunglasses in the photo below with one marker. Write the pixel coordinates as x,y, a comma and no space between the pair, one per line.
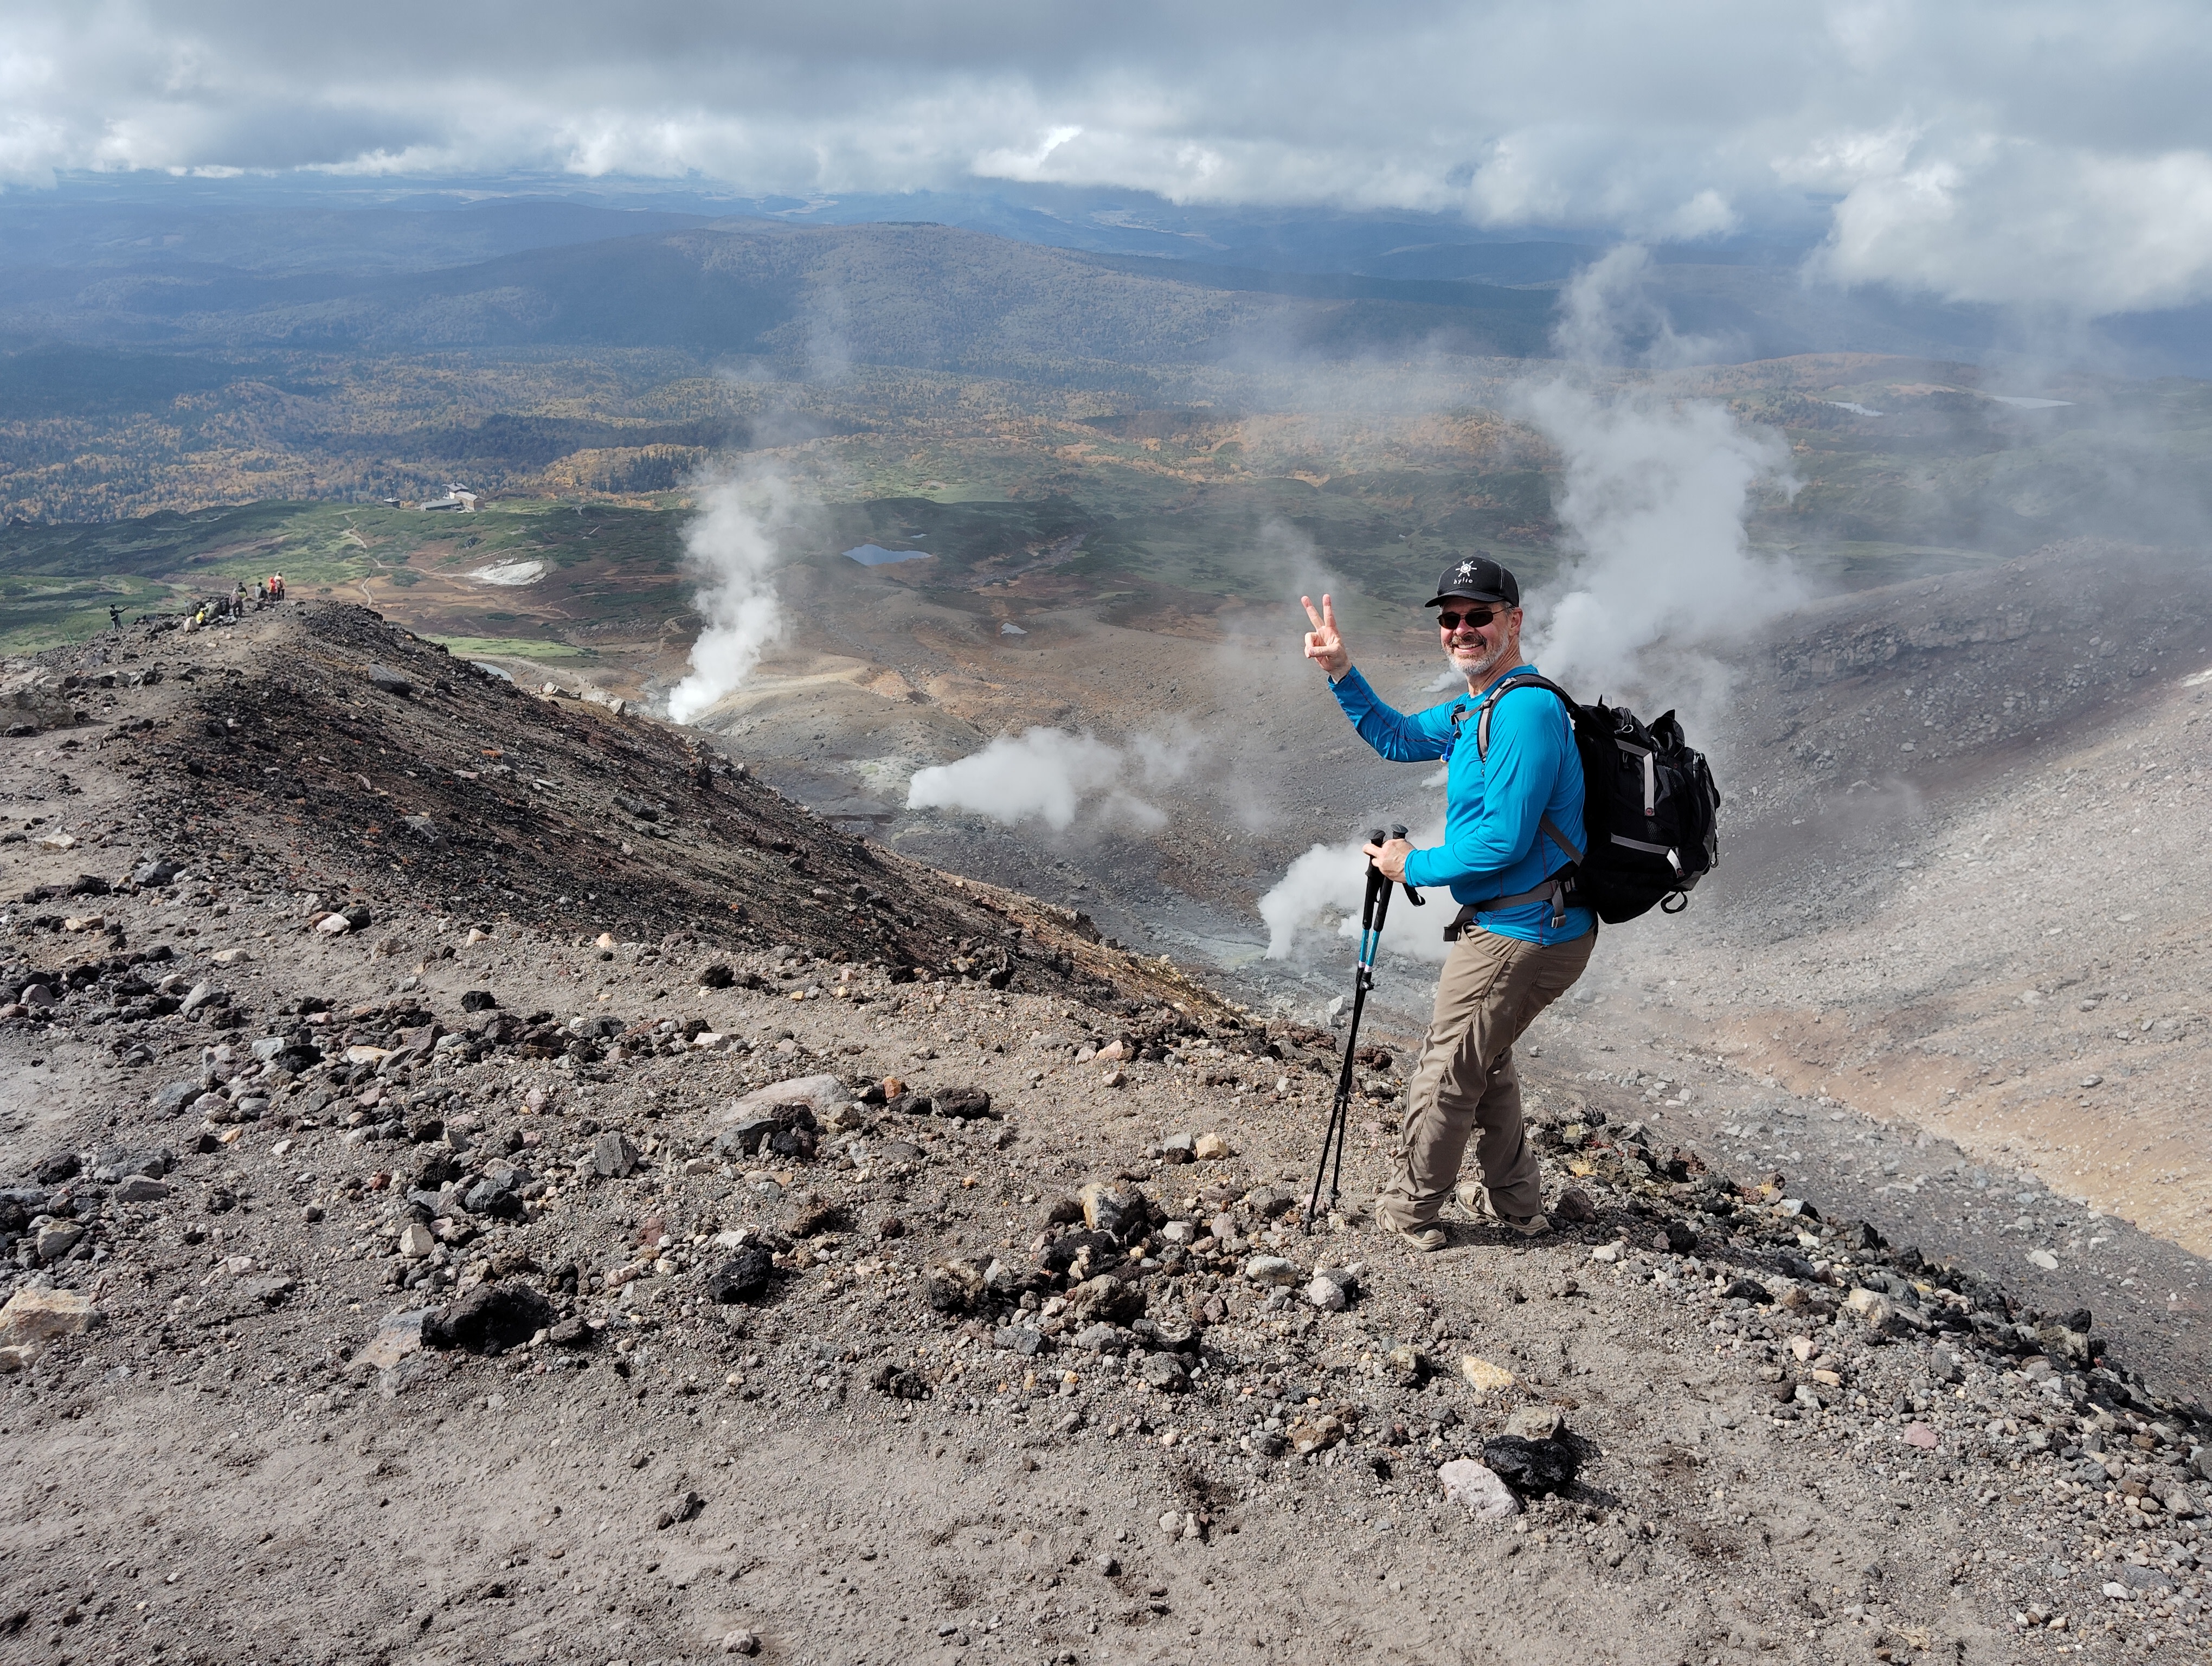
1475,617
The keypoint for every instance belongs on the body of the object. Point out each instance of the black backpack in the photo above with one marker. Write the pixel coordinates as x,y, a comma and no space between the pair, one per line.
1649,807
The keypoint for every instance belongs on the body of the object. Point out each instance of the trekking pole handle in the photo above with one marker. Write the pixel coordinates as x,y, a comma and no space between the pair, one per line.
1398,831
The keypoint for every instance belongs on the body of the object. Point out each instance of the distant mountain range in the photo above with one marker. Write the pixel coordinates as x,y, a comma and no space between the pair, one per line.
1023,279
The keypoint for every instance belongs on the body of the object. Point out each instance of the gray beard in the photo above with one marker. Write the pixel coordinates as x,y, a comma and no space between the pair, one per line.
1476,675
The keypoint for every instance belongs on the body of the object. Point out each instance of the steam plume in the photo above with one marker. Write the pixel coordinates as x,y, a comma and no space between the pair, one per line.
1322,890
732,546
1656,492
1050,775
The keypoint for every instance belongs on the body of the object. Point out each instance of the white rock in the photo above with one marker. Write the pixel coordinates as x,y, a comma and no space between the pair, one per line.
1271,1269
34,1317
416,1241
1327,1294
824,1094
1479,1488
2043,1259
1605,1252
333,925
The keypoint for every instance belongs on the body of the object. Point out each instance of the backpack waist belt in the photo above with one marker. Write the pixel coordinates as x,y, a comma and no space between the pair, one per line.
1552,890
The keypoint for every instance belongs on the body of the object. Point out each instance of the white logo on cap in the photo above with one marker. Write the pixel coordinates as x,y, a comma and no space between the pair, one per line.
1467,569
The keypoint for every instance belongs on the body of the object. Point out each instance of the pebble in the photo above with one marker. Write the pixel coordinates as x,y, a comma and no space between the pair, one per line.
1331,1289
1874,1311
1110,1207
1480,1488
1271,1269
681,1508
613,1157
741,1643
1483,1377
1575,1205
1165,1372
1535,1422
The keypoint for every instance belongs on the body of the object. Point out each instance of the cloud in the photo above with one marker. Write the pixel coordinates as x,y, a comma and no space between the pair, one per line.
733,545
2016,223
2056,155
1052,775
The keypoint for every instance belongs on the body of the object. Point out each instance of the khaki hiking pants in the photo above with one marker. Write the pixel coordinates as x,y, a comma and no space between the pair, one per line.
1491,989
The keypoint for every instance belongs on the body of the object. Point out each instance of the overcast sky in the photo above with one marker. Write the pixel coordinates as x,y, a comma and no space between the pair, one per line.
2056,155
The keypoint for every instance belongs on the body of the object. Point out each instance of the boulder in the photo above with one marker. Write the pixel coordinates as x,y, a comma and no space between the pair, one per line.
33,1318
1115,1207
966,1103
743,1277
953,1285
490,1318
820,1094
1105,1299
612,1156
1532,1465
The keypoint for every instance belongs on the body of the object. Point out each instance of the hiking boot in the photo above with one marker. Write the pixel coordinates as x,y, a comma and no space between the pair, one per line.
1423,1238
1476,1199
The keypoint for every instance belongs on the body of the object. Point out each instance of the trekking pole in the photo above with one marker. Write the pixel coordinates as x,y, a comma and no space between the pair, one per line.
1373,908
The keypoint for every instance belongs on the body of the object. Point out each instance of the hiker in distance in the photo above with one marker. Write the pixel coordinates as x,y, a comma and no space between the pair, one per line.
1513,822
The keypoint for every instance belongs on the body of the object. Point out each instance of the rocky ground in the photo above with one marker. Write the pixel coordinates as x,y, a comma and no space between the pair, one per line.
479,1241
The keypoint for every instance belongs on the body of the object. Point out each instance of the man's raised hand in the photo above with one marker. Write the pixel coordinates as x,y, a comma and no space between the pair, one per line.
1324,642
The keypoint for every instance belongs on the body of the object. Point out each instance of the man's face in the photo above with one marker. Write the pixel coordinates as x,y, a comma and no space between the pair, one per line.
1477,650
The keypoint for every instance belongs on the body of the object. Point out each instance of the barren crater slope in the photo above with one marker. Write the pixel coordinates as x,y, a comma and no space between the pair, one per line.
452,1221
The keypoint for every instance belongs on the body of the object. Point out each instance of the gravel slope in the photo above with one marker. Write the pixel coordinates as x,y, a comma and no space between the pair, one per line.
1084,1402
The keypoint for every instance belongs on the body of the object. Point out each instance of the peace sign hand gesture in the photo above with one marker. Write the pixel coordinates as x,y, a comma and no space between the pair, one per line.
1324,642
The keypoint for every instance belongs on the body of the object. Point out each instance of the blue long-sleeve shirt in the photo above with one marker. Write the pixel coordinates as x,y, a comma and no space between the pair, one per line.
1494,844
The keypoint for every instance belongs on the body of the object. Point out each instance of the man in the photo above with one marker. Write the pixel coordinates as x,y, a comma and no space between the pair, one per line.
1513,823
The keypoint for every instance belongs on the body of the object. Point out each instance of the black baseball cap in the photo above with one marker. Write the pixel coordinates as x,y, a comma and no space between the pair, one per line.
1477,578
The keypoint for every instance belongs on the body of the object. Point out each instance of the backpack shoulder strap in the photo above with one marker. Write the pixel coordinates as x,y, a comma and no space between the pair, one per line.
1482,719
1482,744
